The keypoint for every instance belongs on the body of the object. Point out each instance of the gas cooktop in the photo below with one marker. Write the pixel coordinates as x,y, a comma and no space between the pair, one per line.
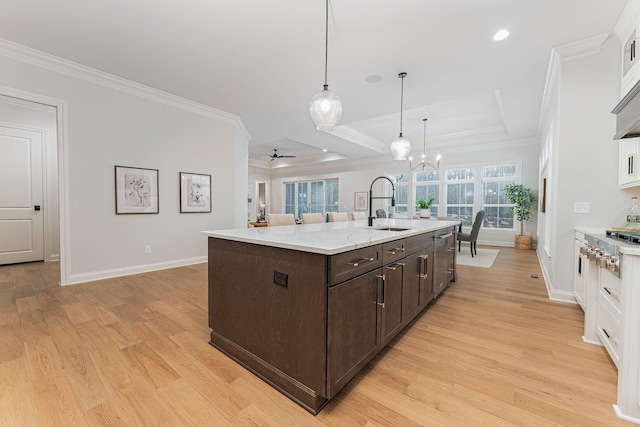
629,237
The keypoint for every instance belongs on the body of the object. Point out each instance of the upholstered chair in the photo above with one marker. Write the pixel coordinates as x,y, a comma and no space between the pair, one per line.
338,216
280,219
357,216
472,237
311,218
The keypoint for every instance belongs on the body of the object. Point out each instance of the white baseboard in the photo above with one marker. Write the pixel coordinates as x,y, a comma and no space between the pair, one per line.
554,295
619,413
145,268
588,341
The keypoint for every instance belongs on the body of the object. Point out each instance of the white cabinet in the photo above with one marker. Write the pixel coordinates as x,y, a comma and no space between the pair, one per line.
628,163
610,326
630,68
621,300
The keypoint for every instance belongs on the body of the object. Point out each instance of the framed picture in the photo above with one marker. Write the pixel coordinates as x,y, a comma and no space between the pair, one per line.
361,201
195,192
136,190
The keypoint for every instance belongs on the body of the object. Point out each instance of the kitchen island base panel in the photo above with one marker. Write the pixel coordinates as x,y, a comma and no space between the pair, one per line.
290,387
282,326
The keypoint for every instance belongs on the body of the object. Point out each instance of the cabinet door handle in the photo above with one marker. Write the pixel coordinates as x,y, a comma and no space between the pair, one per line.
609,337
423,276
613,294
424,256
394,266
580,265
395,251
359,261
445,236
383,277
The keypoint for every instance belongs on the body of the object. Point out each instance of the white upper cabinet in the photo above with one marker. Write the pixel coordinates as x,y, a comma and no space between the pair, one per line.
628,164
630,68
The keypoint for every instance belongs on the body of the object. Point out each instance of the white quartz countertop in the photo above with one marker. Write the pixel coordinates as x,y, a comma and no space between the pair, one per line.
330,238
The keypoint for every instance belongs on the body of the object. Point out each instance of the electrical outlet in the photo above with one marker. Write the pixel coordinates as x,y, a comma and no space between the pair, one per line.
147,249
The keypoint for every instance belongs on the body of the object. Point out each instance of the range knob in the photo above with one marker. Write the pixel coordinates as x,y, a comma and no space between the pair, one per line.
612,263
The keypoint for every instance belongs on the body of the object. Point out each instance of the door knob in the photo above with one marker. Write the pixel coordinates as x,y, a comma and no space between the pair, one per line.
36,208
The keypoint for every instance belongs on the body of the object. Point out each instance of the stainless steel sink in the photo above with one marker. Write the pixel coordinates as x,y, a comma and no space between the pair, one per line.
391,228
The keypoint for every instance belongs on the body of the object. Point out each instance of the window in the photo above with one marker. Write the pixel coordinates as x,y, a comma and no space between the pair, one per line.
460,194
427,184
311,196
331,195
401,182
496,208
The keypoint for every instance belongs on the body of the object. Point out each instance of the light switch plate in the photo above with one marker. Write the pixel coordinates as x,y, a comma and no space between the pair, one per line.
582,207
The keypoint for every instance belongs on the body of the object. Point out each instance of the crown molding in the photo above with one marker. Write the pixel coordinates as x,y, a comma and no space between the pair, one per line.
499,129
350,134
553,76
627,19
50,62
581,48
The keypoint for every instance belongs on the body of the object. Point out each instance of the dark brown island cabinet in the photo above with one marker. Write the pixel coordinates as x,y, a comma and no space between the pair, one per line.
307,323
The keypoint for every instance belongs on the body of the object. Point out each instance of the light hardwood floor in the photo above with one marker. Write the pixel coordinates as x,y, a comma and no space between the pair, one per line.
493,350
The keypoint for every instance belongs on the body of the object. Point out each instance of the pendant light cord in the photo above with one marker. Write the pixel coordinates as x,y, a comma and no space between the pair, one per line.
402,76
424,137
326,43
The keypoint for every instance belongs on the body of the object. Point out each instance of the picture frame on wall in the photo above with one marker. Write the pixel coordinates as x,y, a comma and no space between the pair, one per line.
195,192
361,202
136,190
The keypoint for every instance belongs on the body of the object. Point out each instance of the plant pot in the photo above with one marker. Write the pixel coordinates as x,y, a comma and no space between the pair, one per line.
425,213
524,242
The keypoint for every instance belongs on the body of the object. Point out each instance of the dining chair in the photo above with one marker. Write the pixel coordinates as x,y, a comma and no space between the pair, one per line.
356,216
280,219
311,218
380,213
472,237
338,216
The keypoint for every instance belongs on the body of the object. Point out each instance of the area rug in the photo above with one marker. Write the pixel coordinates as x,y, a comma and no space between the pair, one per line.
484,259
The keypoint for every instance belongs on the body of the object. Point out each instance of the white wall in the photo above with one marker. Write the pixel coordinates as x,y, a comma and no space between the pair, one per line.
583,160
356,176
112,122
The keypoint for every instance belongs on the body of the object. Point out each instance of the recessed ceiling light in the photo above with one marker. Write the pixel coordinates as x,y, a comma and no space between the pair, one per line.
501,35
324,150
373,78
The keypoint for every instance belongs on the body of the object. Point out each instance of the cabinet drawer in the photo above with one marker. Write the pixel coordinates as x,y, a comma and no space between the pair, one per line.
610,333
611,293
350,264
420,242
393,251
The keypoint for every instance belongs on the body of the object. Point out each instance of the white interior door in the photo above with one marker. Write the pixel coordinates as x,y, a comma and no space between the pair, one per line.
21,214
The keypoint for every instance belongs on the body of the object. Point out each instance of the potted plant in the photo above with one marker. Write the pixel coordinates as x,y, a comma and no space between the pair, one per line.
424,206
523,199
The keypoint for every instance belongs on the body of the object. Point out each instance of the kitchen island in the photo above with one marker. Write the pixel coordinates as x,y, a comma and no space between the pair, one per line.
305,307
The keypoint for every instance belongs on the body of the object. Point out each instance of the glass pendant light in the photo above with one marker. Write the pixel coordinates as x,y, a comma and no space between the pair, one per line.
325,107
423,160
401,146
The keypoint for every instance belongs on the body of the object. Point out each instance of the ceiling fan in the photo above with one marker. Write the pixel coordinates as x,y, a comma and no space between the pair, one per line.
276,156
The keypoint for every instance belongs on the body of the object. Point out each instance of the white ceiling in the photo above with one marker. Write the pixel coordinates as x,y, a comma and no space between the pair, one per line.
263,61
